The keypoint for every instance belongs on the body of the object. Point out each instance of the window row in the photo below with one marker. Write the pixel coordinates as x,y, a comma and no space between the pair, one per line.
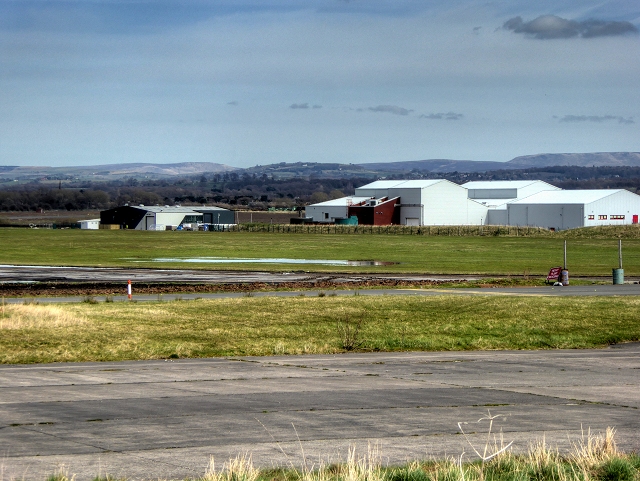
604,217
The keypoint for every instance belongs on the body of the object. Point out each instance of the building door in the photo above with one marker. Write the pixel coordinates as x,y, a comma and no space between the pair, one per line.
413,221
635,219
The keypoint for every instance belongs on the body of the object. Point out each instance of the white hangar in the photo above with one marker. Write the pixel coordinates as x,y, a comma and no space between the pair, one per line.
513,203
404,202
568,209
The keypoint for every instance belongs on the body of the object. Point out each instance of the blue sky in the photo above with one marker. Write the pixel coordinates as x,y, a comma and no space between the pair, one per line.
242,83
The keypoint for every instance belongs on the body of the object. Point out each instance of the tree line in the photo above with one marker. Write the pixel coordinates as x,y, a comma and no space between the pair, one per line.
259,192
231,191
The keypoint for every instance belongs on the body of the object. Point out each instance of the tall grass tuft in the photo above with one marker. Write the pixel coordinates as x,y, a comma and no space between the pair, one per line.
595,448
240,468
363,468
61,474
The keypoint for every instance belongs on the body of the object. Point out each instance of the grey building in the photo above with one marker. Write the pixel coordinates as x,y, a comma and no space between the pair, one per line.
216,215
497,194
145,217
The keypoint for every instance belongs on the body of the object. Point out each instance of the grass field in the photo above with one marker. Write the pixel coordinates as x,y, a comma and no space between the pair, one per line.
411,253
35,333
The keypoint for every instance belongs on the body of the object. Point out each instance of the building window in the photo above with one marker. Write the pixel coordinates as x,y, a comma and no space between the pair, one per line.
602,217
616,217
326,215
592,217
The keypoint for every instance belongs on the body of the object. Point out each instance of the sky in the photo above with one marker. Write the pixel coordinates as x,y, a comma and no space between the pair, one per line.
255,82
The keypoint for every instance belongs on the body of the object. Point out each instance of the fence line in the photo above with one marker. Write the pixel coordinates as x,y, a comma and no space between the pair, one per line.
449,231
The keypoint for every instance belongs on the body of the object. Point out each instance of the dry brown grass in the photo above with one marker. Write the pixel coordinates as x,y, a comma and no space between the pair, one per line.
590,459
594,457
34,316
240,468
367,467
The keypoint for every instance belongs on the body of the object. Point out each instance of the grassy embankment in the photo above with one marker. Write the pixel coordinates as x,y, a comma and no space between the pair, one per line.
35,333
483,255
592,458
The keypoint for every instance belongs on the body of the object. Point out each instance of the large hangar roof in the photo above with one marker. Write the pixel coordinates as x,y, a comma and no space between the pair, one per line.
381,184
176,209
209,208
401,184
167,208
567,196
418,184
503,184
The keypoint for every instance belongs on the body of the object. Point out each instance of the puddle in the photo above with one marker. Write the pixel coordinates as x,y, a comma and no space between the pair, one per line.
238,260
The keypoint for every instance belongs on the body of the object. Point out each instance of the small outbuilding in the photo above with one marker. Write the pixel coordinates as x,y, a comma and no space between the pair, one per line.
89,224
334,210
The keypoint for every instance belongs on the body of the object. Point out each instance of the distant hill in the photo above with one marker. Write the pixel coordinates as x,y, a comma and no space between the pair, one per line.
165,170
435,165
114,171
597,159
285,170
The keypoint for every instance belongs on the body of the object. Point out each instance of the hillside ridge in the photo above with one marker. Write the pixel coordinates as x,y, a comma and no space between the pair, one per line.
306,169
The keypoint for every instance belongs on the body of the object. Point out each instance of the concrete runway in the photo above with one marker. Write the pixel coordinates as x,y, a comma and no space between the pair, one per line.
160,419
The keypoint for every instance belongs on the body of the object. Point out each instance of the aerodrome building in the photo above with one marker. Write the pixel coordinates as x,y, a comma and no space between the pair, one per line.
514,203
145,217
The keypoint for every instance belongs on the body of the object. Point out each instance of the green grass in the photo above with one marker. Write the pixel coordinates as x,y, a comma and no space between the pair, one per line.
413,254
271,326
